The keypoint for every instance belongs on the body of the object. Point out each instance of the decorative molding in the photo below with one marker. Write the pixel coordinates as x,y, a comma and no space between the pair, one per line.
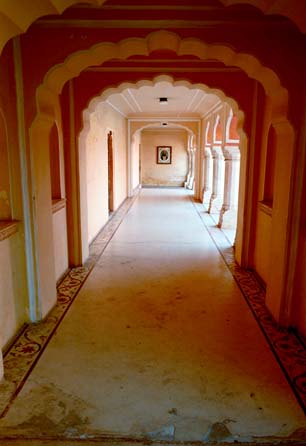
144,7
7,229
203,98
193,99
159,23
134,99
58,204
163,69
164,118
131,107
216,107
164,129
115,108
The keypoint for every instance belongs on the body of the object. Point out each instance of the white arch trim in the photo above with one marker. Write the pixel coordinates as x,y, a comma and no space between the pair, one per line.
105,94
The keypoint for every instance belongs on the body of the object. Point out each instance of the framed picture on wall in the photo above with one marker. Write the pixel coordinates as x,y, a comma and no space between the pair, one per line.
164,155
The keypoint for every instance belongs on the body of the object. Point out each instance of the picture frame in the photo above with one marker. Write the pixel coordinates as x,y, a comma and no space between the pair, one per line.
164,155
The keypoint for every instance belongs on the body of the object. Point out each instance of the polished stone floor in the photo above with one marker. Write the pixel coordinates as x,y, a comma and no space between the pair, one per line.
159,344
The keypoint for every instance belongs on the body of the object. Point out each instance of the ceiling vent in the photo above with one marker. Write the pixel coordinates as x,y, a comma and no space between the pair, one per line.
163,101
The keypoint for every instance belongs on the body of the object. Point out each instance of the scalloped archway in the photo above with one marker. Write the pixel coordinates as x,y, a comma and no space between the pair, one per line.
73,65
48,109
104,95
137,124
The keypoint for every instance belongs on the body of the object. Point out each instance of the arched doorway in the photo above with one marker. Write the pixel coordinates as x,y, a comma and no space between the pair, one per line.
278,95
95,126
47,103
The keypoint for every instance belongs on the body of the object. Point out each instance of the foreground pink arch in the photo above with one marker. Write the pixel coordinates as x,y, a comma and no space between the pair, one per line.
73,65
16,17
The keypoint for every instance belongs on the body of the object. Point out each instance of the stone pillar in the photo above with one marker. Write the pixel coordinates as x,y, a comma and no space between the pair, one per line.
207,176
189,169
228,213
216,199
190,182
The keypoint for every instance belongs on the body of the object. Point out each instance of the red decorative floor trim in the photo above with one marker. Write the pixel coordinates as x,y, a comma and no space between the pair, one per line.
27,348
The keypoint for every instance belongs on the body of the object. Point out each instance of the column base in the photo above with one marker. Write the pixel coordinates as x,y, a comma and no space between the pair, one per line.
215,205
227,218
206,197
190,183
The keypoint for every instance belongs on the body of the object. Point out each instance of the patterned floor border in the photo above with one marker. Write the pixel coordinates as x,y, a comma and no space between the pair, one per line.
25,351
287,347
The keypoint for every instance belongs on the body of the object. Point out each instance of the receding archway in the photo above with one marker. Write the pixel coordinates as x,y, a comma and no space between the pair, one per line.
136,125
47,101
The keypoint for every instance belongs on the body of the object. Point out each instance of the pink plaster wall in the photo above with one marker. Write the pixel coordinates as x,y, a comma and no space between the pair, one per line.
103,120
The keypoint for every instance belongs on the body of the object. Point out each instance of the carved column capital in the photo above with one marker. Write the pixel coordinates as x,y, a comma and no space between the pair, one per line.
231,152
207,152
217,152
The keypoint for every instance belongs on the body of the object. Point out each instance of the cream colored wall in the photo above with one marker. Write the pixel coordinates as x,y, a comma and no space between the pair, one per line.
262,250
192,125
8,320
262,246
12,289
60,242
103,120
167,174
241,199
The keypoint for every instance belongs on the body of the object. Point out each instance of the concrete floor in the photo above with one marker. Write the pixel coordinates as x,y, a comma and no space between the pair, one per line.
158,344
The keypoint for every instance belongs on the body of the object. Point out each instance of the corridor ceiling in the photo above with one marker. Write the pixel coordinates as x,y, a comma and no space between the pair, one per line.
182,101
